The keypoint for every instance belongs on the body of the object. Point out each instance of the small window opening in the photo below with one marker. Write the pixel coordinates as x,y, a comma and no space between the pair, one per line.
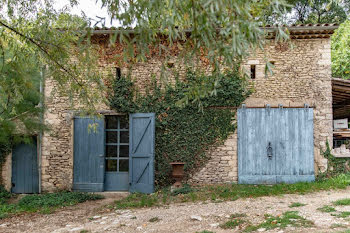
252,71
118,72
272,62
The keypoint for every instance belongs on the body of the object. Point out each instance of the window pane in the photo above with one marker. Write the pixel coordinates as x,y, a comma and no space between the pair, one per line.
111,137
124,137
111,151
111,122
124,122
124,151
123,165
111,165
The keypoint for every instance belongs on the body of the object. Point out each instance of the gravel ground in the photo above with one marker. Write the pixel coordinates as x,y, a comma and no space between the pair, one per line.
186,217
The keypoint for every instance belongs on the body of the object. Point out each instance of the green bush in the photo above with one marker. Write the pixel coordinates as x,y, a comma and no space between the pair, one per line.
184,131
4,194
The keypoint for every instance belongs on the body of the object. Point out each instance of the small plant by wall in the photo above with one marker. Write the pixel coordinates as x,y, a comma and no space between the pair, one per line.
184,130
336,166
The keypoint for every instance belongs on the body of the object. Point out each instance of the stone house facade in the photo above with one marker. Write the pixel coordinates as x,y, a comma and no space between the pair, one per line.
302,75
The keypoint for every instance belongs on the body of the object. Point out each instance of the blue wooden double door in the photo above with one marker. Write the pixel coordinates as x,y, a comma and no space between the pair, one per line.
114,153
25,174
275,145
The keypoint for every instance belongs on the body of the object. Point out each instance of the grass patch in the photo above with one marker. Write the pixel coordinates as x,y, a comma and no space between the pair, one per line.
185,189
345,201
344,214
4,195
289,218
238,215
154,219
296,204
137,200
228,192
327,209
233,223
337,225
45,203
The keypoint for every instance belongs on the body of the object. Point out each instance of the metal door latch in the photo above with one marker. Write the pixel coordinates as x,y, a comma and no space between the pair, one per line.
269,151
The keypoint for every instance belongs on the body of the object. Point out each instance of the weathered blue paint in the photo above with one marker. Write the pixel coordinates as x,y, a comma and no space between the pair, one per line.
25,175
141,152
290,134
116,180
88,166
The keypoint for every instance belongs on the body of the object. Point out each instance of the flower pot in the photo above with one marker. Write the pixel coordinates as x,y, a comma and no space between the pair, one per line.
177,173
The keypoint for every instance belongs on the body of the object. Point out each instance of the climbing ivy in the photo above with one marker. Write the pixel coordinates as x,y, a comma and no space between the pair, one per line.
336,166
184,131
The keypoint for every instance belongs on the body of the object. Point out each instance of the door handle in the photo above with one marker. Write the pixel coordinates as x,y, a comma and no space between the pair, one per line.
269,151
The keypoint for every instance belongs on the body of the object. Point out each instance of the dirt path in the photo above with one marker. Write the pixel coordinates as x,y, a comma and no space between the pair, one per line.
179,217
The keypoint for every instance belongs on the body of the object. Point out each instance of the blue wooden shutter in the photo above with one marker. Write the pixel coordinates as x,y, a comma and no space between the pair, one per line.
141,148
88,172
25,174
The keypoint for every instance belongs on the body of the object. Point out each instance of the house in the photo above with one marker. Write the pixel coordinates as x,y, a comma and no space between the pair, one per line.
282,128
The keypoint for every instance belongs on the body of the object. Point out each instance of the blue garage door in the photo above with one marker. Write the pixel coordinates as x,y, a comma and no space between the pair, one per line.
275,145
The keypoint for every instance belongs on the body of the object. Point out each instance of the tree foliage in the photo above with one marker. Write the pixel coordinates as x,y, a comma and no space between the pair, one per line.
341,51
319,11
33,35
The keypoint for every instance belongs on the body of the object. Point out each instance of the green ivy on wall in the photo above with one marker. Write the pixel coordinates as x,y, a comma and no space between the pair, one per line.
336,166
184,131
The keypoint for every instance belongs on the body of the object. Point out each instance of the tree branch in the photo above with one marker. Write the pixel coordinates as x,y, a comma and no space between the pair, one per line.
42,49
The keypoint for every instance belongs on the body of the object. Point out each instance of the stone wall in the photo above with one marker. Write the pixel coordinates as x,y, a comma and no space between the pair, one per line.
6,172
301,75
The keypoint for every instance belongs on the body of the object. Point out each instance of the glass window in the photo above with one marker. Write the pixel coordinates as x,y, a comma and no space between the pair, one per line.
111,151
112,137
111,165
123,165
124,122
111,122
124,137
117,140
124,151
